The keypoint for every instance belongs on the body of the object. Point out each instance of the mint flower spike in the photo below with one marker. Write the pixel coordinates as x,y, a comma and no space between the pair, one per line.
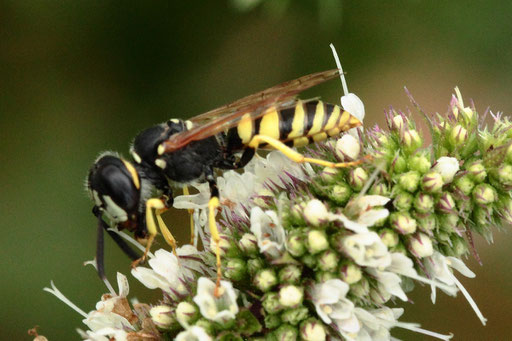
319,253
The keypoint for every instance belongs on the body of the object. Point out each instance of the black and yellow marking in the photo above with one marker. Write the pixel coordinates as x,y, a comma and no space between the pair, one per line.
297,126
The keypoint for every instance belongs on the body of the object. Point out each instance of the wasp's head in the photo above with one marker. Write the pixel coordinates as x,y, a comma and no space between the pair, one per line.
114,186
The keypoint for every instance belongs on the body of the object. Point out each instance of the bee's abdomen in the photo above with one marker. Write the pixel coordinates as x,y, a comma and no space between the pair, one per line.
297,126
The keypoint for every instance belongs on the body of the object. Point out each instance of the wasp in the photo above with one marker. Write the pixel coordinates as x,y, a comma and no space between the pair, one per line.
133,195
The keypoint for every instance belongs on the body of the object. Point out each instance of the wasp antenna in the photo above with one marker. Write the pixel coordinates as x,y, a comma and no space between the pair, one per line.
338,65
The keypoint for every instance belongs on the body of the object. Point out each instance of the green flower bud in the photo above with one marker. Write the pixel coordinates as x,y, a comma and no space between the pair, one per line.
228,336
419,163
389,237
411,140
508,156
409,181
399,123
272,321
328,260
262,197
329,174
484,194
317,241
309,260
477,172
162,316
443,237
324,276
206,325
481,215
400,165
297,210
403,201
448,222
312,330
403,222
271,303
381,139
464,184
446,204
186,313
236,269
290,296
379,297
350,272
315,212
224,244
248,244
458,135
290,274
505,175
340,193
399,248
265,279
379,189
286,333
357,177
423,203
336,241
361,289
295,244
432,182
427,223
505,209
254,265
459,246
420,245
295,316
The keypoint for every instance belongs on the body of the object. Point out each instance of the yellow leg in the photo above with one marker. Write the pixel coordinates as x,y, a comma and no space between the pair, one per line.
190,212
212,206
158,206
295,156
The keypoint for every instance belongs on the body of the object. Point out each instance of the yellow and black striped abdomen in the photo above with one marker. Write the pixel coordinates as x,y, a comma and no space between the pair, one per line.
296,126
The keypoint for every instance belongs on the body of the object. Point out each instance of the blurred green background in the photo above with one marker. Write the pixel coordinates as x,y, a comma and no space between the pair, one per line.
79,77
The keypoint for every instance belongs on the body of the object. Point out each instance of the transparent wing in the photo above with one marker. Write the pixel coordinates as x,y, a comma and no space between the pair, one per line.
228,116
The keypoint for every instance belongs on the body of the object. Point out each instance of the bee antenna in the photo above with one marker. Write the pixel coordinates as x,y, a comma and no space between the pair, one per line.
338,65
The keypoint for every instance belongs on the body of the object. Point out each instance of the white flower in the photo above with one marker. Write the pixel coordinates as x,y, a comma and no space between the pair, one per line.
169,274
378,322
439,267
366,212
269,231
194,333
353,104
104,334
348,147
388,282
447,167
219,309
367,249
332,306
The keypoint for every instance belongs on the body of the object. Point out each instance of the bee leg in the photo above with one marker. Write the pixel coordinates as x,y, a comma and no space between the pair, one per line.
296,156
190,212
245,158
213,204
100,265
158,206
